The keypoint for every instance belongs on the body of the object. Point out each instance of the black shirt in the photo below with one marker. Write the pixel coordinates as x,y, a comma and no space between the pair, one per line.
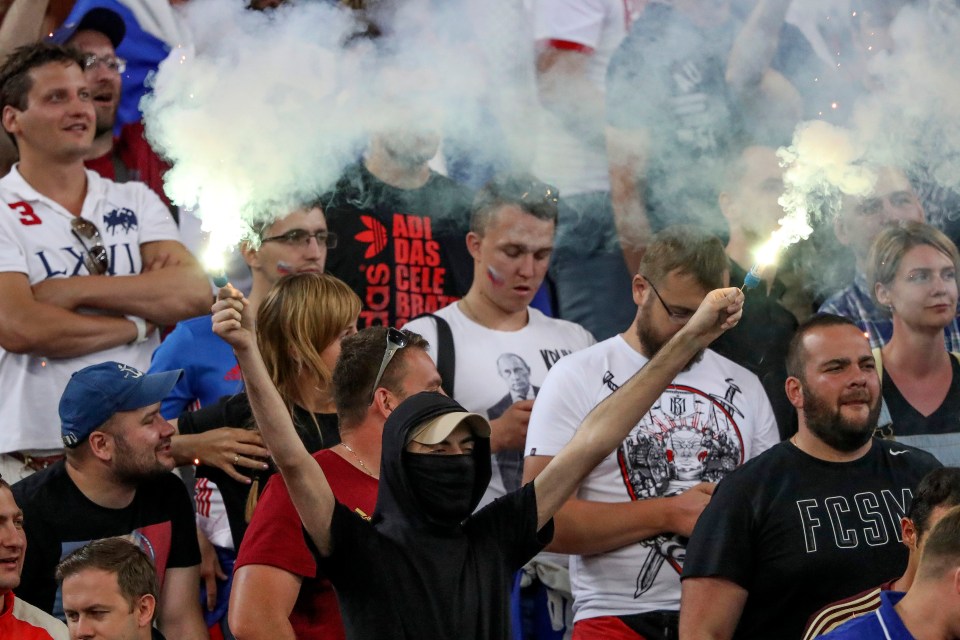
317,430
406,575
907,421
798,533
759,343
403,251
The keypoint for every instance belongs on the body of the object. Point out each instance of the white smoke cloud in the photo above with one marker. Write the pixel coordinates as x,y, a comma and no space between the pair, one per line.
262,111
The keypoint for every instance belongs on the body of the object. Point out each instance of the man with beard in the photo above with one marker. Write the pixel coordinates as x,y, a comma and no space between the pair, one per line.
403,228
625,525
817,517
115,481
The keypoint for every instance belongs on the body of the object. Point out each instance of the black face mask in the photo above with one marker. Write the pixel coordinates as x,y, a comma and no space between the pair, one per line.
443,485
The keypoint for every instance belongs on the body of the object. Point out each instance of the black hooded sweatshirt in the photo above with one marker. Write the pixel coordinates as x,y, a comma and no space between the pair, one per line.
403,575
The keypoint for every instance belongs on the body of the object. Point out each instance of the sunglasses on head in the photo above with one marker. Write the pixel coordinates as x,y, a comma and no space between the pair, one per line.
396,340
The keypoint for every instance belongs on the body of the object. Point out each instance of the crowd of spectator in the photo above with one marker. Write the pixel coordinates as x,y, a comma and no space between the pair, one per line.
549,407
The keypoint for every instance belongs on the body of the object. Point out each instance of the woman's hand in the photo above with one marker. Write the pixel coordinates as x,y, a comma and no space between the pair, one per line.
231,319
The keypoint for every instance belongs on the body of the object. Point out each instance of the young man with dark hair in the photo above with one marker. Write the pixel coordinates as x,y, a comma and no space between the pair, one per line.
931,608
937,493
110,591
278,593
813,519
115,481
19,619
627,522
425,566
88,267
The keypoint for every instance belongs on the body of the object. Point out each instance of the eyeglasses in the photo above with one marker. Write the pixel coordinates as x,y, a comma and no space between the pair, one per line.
94,253
396,340
301,237
676,315
112,63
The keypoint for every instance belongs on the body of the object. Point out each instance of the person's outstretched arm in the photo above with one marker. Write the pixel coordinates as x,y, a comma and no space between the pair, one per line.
605,427
309,490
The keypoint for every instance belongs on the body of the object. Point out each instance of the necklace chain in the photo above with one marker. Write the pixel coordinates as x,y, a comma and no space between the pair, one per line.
354,453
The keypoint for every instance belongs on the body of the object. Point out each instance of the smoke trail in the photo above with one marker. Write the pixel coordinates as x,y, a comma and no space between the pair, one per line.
824,164
262,111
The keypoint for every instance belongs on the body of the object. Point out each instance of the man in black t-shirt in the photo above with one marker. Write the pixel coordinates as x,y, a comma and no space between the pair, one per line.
814,518
115,481
402,230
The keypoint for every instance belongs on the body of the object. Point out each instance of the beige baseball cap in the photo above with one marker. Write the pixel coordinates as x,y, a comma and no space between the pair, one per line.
438,429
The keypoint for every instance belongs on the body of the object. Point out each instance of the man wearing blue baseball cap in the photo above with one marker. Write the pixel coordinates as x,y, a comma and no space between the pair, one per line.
114,481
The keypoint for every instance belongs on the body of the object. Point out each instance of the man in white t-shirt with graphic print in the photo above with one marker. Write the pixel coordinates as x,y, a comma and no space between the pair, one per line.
503,347
88,267
627,525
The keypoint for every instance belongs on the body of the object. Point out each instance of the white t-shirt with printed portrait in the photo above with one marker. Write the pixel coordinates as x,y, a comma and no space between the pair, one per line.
494,369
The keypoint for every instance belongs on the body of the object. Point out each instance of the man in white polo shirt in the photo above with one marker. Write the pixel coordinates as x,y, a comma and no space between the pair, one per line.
88,268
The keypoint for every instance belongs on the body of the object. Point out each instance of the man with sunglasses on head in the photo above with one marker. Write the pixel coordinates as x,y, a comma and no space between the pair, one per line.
88,267
501,347
627,524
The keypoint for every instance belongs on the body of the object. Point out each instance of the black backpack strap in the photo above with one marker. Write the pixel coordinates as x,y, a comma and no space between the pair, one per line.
446,355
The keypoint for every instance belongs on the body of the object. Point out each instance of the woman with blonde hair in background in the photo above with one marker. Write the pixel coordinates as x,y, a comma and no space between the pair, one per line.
299,327
912,269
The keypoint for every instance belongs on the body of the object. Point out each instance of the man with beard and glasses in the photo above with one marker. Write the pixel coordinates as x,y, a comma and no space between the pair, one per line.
425,565
115,481
626,525
817,517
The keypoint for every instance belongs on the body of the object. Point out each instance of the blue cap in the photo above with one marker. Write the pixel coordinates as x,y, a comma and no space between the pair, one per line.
106,21
95,393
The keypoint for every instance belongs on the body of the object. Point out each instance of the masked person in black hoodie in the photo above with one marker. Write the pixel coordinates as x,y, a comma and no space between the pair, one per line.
423,566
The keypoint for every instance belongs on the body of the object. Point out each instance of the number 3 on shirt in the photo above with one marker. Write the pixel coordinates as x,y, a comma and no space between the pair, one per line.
27,216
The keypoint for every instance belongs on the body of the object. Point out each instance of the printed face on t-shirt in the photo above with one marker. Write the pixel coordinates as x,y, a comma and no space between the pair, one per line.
511,258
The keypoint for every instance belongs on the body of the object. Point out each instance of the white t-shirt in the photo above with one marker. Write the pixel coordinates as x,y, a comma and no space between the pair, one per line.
596,26
494,369
35,239
709,420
